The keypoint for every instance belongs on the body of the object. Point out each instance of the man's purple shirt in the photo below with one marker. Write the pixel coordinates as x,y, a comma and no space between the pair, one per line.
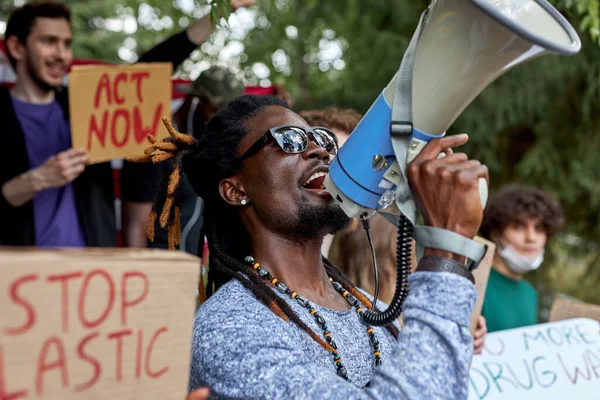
47,133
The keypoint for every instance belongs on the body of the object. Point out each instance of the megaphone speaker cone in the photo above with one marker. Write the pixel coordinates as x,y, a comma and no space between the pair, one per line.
464,45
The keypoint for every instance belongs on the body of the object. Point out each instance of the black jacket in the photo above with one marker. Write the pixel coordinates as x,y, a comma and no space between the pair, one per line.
93,189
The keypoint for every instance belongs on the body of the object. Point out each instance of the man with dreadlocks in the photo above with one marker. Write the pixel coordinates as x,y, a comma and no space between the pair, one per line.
284,322
213,89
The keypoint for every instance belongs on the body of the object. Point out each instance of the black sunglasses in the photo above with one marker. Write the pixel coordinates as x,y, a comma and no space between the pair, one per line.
294,139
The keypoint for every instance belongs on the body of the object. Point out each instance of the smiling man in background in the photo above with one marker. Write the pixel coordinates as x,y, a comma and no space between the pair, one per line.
48,196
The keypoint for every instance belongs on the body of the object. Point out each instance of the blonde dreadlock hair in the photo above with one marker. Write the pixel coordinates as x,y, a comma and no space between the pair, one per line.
206,161
176,146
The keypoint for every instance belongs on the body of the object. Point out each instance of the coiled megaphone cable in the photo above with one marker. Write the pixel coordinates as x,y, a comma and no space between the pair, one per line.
403,268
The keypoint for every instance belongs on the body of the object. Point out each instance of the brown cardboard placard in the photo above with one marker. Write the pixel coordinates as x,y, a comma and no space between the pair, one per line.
481,275
114,108
564,308
96,323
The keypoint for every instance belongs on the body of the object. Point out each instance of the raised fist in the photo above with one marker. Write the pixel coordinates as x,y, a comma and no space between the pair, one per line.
446,189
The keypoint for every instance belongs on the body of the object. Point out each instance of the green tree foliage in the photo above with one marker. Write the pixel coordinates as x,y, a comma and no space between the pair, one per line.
119,30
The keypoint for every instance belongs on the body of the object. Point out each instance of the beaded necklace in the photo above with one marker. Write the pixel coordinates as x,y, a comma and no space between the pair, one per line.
304,302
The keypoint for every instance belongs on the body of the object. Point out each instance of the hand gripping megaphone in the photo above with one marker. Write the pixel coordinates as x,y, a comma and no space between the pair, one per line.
458,49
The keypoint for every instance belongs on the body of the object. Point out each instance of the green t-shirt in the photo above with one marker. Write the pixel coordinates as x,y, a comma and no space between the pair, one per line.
508,303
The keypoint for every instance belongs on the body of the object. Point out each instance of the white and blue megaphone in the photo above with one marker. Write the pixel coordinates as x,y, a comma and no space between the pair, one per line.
459,48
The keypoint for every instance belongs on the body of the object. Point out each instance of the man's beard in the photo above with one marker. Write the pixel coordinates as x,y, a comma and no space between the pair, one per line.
319,219
37,79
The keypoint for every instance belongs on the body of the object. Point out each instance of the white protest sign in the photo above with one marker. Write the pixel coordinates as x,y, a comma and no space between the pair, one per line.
557,360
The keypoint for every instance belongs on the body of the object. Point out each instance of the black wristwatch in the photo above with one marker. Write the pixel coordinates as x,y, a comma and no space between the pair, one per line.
443,264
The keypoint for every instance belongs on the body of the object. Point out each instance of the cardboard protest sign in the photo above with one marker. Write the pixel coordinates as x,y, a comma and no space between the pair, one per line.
96,323
557,360
115,107
481,275
563,308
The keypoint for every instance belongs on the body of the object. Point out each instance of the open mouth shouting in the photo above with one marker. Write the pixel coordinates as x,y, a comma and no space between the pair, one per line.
314,184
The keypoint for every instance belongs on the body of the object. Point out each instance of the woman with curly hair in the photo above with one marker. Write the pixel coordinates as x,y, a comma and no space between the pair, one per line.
519,220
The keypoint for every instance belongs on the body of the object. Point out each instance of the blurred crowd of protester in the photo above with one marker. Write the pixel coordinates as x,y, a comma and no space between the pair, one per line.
50,197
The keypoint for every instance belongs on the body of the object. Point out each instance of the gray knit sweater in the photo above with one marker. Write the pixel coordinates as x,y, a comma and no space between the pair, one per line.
241,349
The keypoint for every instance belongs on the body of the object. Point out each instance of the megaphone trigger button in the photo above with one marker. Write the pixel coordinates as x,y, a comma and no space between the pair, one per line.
380,162
414,148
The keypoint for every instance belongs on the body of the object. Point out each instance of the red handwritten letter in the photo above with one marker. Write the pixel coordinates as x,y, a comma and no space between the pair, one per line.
103,85
120,77
151,374
14,297
82,297
64,280
118,335
86,357
138,76
124,114
141,132
125,302
99,132
43,366
138,354
4,393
